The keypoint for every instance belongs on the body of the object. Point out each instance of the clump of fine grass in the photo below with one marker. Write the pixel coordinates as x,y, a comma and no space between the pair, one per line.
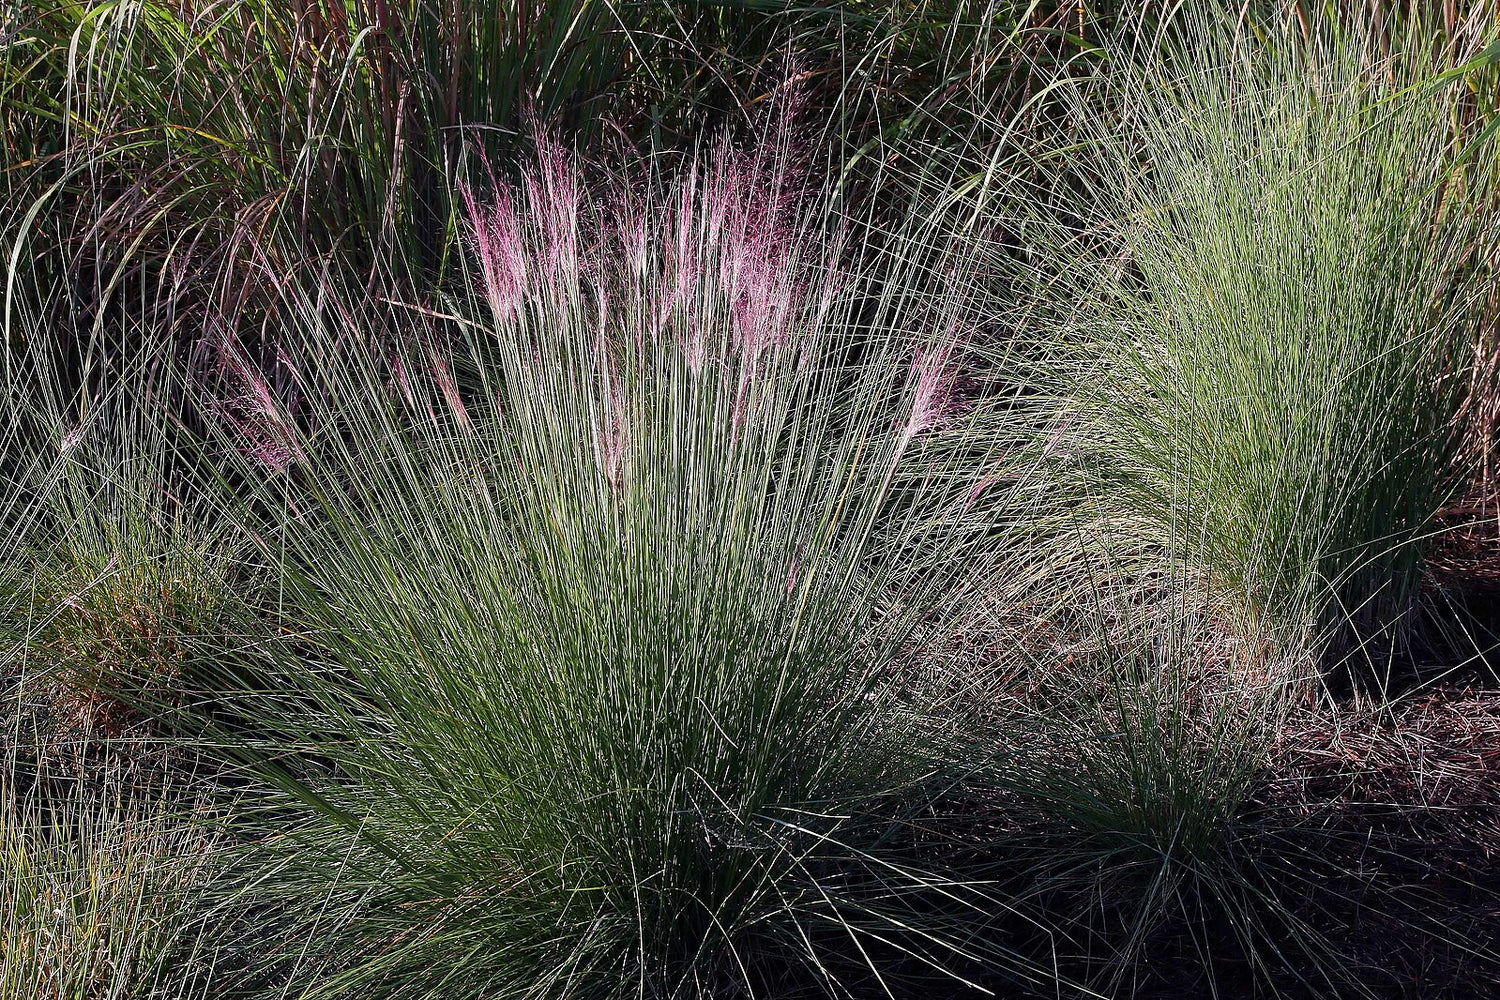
112,619
1268,358
101,896
1248,341
1128,769
603,648
118,585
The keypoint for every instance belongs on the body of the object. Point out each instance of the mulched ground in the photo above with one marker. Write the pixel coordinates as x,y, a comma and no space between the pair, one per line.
1465,555
1399,815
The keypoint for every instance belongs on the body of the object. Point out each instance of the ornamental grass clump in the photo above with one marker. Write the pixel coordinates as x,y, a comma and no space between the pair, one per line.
604,692
1269,354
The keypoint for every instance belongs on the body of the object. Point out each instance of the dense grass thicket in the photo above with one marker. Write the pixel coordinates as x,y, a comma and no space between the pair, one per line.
698,500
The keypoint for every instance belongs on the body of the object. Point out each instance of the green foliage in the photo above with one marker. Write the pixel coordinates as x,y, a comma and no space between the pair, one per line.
1271,351
118,572
101,899
175,133
664,604
1134,772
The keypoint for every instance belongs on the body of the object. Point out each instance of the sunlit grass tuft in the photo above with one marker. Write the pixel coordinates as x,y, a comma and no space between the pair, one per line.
102,898
1269,359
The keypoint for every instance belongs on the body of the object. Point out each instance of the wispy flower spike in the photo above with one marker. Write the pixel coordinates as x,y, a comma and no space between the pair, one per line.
931,382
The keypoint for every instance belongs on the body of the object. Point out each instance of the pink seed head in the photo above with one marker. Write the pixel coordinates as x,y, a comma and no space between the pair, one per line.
402,380
613,431
931,383
71,438
268,433
554,199
502,253
443,376
980,488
